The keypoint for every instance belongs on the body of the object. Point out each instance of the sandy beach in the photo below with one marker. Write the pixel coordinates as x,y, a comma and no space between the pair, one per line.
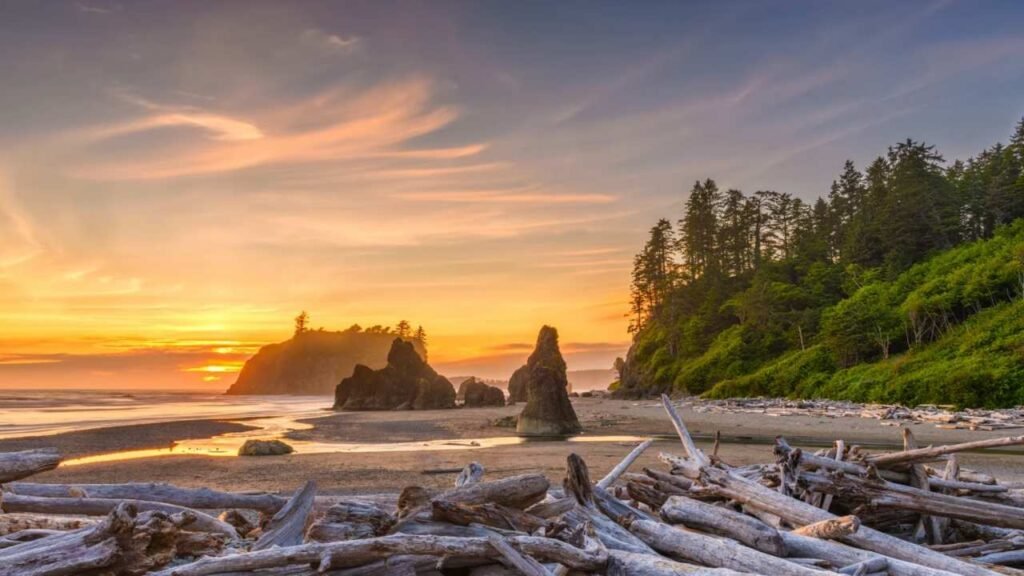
611,428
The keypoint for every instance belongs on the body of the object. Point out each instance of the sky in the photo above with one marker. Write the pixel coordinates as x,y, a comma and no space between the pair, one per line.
179,179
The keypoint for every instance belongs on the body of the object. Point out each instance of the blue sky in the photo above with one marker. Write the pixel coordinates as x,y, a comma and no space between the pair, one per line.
197,172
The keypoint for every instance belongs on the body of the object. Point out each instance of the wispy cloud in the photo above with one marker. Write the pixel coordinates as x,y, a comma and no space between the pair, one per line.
330,43
373,122
491,197
93,8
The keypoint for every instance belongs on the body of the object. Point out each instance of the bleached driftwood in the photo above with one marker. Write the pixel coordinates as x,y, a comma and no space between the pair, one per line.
705,517
494,515
288,526
839,554
16,522
631,564
799,513
196,498
18,465
104,506
624,465
933,453
877,493
516,491
711,551
124,543
524,564
357,552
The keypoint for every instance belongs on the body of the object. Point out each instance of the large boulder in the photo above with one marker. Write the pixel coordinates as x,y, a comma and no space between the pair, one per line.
517,384
407,382
475,394
548,411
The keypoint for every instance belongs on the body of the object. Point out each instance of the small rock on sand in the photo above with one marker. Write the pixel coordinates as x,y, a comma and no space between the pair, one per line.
264,448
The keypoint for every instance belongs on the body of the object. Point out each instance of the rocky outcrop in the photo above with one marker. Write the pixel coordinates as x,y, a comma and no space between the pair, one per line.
406,382
312,362
475,393
631,384
548,411
517,385
264,448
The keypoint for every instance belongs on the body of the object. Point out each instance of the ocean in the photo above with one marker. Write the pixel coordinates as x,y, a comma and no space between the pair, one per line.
45,412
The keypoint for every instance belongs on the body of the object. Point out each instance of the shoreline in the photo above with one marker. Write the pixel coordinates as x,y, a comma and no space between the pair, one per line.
610,430
125,437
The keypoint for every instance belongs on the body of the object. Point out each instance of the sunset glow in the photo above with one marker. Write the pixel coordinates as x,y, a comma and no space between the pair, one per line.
178,181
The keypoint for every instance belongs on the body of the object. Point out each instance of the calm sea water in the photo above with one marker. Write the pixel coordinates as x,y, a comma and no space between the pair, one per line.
44,412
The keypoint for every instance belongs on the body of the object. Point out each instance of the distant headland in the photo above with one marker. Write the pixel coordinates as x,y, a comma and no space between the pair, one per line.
314,361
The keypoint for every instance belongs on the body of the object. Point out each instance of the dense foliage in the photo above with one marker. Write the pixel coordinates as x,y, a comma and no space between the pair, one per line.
904,284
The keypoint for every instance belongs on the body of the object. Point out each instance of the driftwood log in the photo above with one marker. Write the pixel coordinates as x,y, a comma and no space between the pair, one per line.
18,465
104,506
200,498
124,543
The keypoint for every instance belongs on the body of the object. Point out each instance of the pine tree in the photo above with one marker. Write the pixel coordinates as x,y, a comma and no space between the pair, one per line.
301,323
845,200
421,336
862,239
921,213
654,272
403,329
734,233
699,229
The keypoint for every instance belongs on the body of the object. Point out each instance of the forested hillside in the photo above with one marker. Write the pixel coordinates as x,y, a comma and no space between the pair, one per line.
904,284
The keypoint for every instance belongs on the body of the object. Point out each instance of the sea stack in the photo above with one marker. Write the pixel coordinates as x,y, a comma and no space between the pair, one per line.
548,411
406,383
517,384
476,393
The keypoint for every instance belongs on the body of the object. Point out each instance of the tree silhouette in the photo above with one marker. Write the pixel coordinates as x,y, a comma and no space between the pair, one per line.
403,329
301,323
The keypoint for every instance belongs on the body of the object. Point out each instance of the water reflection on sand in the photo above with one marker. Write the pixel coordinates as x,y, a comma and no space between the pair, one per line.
227,445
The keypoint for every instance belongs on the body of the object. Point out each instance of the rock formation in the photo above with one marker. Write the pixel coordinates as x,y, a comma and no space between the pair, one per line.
476,393
406,382
548,411
312,362
517,384
264,448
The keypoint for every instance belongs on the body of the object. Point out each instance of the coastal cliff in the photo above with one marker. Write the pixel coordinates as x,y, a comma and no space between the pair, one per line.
312,362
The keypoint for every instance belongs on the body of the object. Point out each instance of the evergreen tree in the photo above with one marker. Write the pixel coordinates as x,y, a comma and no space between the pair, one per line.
845,199
421,336
699,229
301,323
862,239
403,329
734,233
920,213
654,272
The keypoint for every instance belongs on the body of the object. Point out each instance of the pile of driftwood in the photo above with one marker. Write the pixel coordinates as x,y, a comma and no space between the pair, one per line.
945,417
837,511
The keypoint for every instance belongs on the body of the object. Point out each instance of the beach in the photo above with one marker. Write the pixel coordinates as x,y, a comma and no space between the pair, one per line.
377,452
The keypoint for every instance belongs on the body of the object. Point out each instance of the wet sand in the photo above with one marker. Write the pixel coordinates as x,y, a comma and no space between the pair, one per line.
117,438
747,440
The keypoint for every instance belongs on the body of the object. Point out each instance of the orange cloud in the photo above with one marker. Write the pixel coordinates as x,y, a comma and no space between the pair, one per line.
374,122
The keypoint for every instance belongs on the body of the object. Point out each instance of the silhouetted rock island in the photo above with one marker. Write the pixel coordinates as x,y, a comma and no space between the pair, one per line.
405,383
517,384
312,362
476,393
548,411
